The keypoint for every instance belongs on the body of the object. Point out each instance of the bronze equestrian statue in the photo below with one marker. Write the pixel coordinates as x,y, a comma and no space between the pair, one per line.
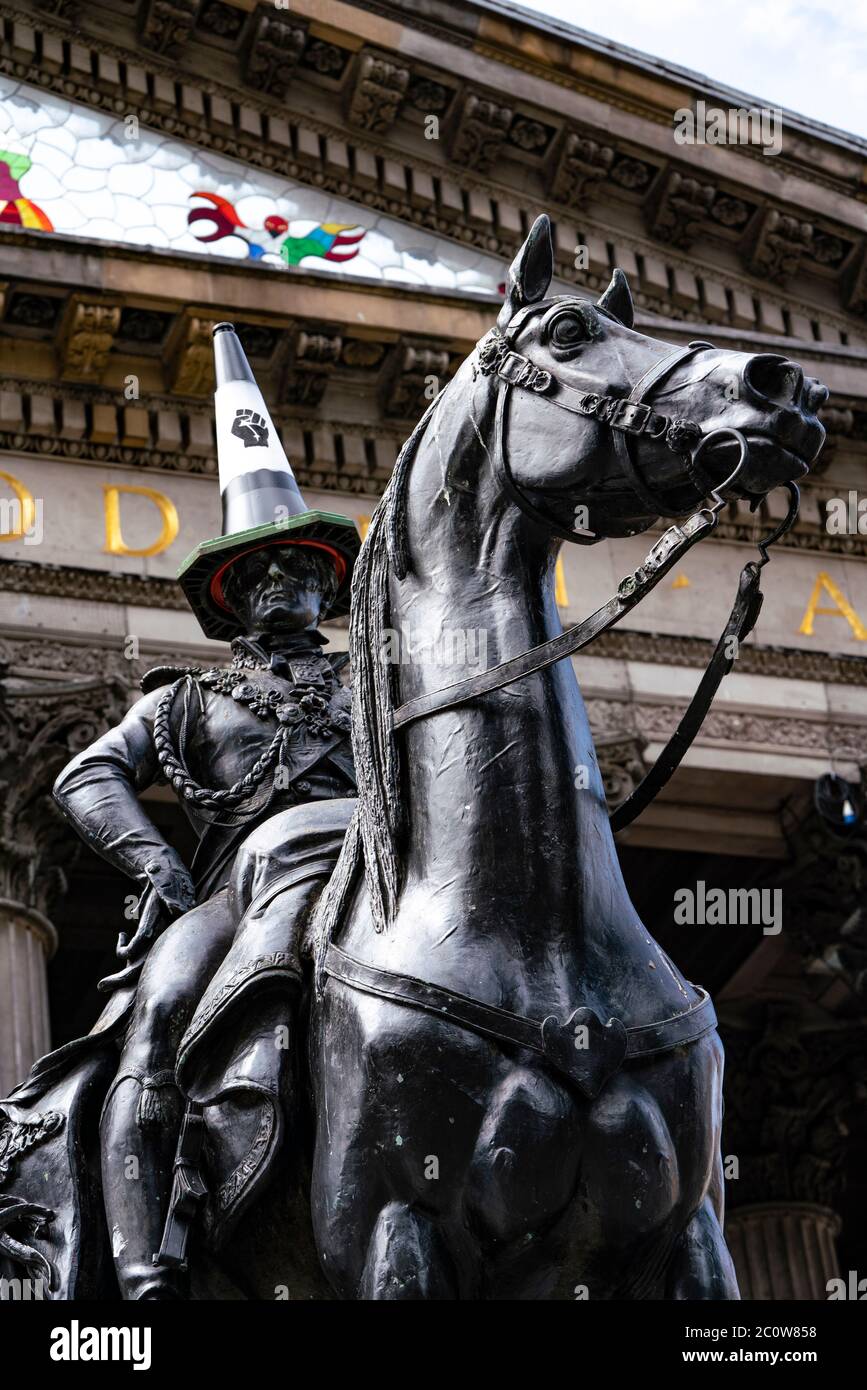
237,744
513,1092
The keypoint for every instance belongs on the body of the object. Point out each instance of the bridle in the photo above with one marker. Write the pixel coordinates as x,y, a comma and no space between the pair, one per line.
629,416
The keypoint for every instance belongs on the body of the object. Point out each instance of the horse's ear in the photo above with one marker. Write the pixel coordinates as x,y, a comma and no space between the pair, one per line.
530,272
617,299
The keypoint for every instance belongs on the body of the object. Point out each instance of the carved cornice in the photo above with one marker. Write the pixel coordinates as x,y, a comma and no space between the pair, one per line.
87,332
94,664
418,207
733,728
730,728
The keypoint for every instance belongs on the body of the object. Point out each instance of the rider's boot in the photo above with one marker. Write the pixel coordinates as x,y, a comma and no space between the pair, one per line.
139,1134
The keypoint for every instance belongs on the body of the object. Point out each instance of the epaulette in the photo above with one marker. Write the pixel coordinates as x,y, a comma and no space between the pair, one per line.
164,675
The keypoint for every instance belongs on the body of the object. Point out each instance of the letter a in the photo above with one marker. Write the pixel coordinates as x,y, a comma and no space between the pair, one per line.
842,608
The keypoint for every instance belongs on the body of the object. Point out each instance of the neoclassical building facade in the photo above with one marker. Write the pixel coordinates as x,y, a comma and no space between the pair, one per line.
347,183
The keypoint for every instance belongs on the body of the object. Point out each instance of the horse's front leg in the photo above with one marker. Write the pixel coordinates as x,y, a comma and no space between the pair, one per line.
701,1267
395,1135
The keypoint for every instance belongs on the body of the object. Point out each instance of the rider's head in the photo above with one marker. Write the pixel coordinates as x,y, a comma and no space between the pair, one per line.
280,588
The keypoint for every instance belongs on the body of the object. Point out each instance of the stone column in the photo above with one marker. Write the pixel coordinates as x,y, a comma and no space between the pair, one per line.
784,1250
44,720
27,943
792,1090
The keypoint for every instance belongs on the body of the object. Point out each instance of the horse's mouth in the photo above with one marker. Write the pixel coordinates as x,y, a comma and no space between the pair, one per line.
767,459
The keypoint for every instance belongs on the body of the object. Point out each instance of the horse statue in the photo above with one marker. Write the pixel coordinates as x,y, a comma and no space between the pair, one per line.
518,1095
508,1090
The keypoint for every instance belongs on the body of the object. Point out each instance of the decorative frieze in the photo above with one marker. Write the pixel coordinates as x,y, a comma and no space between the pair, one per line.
190,369
376,90
314,358
744,728
425,204
87,333
272,51
479,131
776,246
166,25
579,166
90,586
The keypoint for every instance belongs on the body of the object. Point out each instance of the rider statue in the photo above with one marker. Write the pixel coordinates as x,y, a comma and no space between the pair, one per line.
238,744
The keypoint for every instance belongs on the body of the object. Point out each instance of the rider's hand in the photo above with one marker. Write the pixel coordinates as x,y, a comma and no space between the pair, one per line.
169,893
172,884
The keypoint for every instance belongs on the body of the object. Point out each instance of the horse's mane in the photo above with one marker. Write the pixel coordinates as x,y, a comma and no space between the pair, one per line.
377,825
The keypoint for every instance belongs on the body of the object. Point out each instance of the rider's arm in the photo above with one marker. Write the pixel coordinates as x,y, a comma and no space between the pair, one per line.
98,792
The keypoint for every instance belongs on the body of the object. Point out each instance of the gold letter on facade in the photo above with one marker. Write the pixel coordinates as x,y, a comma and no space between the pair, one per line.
17,514
114,542
842,608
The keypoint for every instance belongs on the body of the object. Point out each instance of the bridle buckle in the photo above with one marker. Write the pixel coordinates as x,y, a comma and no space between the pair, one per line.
631,416
519,371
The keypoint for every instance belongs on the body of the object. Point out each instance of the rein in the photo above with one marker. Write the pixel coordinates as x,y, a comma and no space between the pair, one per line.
625,416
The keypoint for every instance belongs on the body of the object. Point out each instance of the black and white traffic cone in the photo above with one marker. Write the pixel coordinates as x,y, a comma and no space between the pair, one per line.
261,500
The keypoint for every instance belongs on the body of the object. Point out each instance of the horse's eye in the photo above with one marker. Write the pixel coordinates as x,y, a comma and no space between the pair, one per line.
567,331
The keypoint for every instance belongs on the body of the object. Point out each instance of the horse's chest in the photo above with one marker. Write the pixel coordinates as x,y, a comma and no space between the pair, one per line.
508,1140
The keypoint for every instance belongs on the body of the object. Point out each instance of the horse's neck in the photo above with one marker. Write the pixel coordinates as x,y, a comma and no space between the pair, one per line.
507,789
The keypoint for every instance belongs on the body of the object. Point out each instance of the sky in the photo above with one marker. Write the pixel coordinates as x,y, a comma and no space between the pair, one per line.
807,55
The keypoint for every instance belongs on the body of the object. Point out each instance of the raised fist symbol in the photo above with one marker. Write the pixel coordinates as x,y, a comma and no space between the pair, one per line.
250,427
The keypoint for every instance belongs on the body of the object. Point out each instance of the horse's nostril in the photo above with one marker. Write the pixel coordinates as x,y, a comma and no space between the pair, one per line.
775,378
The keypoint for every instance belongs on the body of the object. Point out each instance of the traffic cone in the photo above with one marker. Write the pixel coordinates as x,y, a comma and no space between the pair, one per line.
262,503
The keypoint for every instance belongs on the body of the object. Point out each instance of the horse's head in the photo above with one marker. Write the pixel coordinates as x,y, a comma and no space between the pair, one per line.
644,429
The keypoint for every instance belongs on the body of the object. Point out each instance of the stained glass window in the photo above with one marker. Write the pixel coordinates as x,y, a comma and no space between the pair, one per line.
67,169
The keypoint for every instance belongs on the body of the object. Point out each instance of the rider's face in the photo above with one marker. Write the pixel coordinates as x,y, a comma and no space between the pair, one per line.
279,589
